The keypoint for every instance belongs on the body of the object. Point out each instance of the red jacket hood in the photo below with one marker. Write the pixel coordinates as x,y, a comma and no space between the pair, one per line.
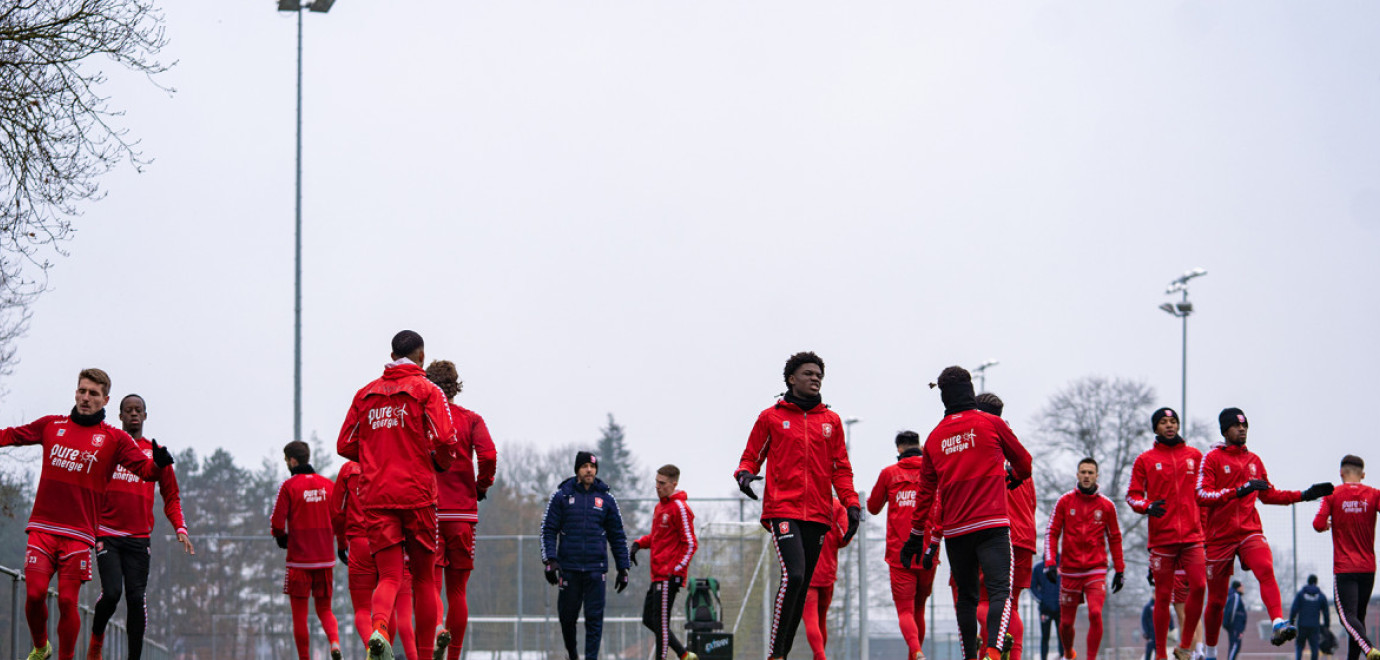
678,495
396,370
911,462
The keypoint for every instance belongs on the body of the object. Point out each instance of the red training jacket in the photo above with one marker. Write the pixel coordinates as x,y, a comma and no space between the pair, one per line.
1350,512
897,488
806,461
827,570
1020,508
1229,518
78,462
128,508
672,541
458,487
347,516
1170,474
398,426
303,512
1087,524
965,463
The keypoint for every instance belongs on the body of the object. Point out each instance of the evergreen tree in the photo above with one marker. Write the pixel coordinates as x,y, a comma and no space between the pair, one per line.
616,465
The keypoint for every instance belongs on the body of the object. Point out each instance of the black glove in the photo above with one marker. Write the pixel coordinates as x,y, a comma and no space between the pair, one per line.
1317,490
482,495
1252,486
434,465
1157,509
553,571
745,480
622,582
677,581
927,560
632,553
914,545
854,520
1118,582
282,541
1051,573
1012,483
344,554
161,456
1150,576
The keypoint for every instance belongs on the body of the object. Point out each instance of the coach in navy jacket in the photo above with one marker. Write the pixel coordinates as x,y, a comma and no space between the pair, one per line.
581,524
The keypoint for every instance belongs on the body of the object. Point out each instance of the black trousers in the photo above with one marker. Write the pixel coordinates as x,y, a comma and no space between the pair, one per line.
1351,592
581,590
1047,620
657,615
798,543
988,551
124,566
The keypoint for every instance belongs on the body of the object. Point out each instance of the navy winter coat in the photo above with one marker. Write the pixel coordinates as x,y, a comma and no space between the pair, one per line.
1046,593
1234,616
1310,605
587,522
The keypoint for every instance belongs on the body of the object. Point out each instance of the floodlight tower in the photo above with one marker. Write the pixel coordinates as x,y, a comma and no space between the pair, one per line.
1182,310
981,371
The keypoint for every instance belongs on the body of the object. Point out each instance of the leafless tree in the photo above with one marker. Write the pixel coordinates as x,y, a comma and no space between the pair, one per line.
58,133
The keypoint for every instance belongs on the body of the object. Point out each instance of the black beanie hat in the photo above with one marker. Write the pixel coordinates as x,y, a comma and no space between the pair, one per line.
583,457
1159,415
956,390
1230,417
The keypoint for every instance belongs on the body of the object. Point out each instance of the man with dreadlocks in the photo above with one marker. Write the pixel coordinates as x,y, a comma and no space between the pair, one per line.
800,442
966,460
459,491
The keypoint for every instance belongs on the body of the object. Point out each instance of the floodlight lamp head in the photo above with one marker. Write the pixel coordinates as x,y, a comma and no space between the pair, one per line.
1185,308
983,367
851,420
1169,307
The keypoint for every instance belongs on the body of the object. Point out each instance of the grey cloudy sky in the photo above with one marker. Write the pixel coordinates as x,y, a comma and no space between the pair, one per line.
644,207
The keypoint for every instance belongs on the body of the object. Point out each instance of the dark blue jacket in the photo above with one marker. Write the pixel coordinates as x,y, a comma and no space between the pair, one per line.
587,523
1234,616
1147,620
1046,593
1310,605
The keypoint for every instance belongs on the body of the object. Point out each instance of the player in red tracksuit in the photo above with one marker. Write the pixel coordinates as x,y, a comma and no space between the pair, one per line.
352,541
1350,513
399,429
1086,521
459,491
965,464
1228,482
896,489
821,591
80,455
122,541
301,523
800,442
672,544
1163,480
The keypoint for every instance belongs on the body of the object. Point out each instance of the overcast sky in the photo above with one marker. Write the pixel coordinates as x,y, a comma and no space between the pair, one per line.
644,207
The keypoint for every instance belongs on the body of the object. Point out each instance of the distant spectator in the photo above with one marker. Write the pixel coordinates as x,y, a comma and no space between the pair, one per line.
1147,627
1234,619
1309,613
1046,594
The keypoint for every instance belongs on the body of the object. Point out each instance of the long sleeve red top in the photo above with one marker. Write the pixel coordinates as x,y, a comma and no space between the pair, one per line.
459,486
1350,512
965,464
303,512
1087,526
128,507
672,541
1170,473
806,461
1231,518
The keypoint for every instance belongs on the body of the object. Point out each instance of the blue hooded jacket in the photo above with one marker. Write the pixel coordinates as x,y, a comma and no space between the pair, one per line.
1310,605
579,527
1046,593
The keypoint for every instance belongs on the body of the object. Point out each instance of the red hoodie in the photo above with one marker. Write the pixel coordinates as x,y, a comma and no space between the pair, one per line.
1350,510
1020,508
806,459
128,506
399,429
827,570
672,541
897,488
303,512
458,486
1087,524
1168,473
347,516
965,464
1229,518
78,462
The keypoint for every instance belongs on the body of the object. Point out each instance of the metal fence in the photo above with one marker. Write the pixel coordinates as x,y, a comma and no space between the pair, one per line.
513,609
116,638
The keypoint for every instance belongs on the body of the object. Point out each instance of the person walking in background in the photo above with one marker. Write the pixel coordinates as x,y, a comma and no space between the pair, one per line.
1234,619
581,525
1086,520
672,544
352,542
1147,627
800,443
1046,595
821,592
1309,614
1350,513
1230,480
896,488
1020,509
459,491
122,541
301,523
